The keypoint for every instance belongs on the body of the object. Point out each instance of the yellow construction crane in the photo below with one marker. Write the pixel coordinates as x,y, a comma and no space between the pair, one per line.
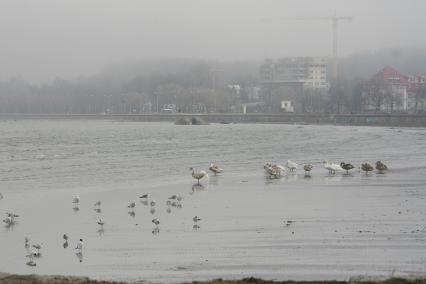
334,25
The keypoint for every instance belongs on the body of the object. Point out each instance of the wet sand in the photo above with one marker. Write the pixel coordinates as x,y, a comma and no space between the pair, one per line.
342,225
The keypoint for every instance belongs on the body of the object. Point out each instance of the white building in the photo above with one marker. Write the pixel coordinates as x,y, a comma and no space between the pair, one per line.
310,71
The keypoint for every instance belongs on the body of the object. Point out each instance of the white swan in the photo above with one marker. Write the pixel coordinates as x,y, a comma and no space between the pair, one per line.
215,169
332,167
198,175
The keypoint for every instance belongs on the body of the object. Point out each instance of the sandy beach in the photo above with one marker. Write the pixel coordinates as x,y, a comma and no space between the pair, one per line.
342,225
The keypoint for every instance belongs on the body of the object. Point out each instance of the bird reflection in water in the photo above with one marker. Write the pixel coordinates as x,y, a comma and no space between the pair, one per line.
79,256
75,209
132,214
152,211
101,231
144,202
197,187
65,245
97,210
156,231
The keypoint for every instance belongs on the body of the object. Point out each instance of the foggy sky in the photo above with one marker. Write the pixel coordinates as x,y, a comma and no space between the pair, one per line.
44,39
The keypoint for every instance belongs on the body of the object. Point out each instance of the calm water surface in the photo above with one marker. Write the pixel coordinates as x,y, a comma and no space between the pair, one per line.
344,225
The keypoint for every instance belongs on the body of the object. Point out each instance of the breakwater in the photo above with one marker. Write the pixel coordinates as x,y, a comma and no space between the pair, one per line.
406,120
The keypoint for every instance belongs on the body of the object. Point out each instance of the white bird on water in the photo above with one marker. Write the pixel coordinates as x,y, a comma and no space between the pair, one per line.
198,175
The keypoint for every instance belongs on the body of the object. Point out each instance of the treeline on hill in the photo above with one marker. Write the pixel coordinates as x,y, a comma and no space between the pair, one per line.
190,86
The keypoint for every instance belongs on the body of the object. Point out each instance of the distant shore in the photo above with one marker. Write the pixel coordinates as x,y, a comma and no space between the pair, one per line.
391,120
6,278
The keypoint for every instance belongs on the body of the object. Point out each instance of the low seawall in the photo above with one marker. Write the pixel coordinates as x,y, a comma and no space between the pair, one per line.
406,120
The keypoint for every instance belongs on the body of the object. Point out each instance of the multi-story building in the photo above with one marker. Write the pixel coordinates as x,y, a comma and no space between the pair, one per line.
307,71
386,91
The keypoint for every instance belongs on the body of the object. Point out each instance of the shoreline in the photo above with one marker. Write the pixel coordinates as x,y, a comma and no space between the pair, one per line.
389,120
6,278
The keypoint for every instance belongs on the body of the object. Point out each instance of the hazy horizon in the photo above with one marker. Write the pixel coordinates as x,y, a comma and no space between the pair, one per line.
52,38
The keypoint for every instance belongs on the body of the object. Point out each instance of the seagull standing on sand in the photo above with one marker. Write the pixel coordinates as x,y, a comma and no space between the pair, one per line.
175,197
196,219
198,175
100,222
156,222
79,246
215,169
37,252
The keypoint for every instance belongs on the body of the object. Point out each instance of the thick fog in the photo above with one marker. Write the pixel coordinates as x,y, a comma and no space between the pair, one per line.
53,38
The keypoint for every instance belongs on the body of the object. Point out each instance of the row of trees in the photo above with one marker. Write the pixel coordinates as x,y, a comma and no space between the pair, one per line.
203,86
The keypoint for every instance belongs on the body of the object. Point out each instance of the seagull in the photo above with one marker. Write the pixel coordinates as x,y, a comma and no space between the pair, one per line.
76,199
31,262
215,169
152,203
198,175
380,167
156,222
196,219
97,204
292,166
65,237
100,222
288,223
131,205
332,167
8,220
37,252
308,169
79,246
366,167
175,197
346,167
